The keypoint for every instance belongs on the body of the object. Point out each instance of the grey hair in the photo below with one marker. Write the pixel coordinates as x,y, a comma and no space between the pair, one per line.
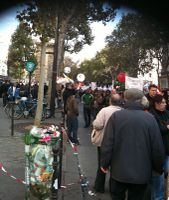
145,102
137,96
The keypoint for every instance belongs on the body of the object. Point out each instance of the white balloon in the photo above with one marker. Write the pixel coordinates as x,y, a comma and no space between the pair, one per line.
67,70
80,77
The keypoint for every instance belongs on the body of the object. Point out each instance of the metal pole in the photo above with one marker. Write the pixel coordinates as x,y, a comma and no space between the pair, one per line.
27,172
29,90
12,120
60,159
55,185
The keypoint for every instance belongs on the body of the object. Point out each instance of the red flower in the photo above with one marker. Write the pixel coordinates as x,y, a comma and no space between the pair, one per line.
46,138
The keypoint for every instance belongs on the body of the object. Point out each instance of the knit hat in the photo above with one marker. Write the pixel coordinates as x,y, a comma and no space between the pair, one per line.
133,94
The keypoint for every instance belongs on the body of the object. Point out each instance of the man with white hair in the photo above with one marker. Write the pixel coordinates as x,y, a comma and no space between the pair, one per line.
100,123
132,147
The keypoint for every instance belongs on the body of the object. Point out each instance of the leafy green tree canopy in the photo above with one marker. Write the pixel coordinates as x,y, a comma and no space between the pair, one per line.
22,48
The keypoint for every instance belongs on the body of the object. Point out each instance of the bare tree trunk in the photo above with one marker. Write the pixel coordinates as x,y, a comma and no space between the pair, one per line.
61,41
41,86
49,92
54,73
59,47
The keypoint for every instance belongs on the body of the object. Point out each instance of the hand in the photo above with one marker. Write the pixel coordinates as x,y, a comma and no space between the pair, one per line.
104,170
167,126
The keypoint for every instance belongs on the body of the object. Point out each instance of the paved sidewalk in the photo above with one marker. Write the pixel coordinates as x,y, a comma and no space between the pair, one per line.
13,160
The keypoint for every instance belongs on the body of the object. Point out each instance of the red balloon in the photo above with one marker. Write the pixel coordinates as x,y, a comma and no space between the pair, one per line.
121,77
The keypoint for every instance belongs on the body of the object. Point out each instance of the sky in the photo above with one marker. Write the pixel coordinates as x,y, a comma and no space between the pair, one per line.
8,24
100,32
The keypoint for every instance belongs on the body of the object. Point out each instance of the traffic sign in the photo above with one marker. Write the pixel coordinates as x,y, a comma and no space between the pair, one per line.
30,66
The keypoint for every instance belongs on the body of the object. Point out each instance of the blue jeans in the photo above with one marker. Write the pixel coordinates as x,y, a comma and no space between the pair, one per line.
87,115
166,165
72,127
157,187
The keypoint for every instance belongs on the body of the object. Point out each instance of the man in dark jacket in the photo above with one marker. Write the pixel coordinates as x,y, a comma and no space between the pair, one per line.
132,147
152,91
4,89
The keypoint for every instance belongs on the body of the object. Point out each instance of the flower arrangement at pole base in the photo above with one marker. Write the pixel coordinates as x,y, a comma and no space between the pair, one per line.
39,156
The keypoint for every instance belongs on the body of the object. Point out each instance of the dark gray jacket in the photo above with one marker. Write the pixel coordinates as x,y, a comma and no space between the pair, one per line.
132,145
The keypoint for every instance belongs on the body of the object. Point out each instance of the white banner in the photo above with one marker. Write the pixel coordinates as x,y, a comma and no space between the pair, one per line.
133,83
93,85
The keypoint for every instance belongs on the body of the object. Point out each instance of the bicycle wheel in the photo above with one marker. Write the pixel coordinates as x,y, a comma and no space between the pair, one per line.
44,113
7,108
33,113
17,112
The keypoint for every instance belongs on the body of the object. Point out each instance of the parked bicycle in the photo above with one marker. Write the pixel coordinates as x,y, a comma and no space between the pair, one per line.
7,107
25,107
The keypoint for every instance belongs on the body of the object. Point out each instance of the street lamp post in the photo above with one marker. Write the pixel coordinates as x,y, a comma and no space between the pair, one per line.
29,88
30,66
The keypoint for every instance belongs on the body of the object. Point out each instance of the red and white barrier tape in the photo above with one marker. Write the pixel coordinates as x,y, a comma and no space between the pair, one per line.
74,147
19,180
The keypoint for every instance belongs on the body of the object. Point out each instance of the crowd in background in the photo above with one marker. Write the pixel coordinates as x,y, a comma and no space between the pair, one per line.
135,145
117,111
10,91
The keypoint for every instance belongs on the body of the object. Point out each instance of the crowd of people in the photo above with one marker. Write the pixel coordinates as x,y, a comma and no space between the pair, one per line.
135,126
9,91
135,145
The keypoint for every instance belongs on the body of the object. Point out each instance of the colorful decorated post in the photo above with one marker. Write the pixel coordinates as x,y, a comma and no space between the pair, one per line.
39,171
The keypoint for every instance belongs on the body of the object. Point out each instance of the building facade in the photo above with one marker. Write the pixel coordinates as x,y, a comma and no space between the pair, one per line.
3,69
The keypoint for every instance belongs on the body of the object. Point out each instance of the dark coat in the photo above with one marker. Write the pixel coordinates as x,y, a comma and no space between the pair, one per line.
34,91
162,118
132,145
72,107
150,99
67,93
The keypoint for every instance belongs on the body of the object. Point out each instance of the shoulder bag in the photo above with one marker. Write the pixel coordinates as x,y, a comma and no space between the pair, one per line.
96,136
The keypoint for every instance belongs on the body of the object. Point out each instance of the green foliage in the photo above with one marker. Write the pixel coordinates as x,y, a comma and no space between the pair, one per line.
131,47
135,42
30,139
93,70
78,34
78,31
39,19
21,49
